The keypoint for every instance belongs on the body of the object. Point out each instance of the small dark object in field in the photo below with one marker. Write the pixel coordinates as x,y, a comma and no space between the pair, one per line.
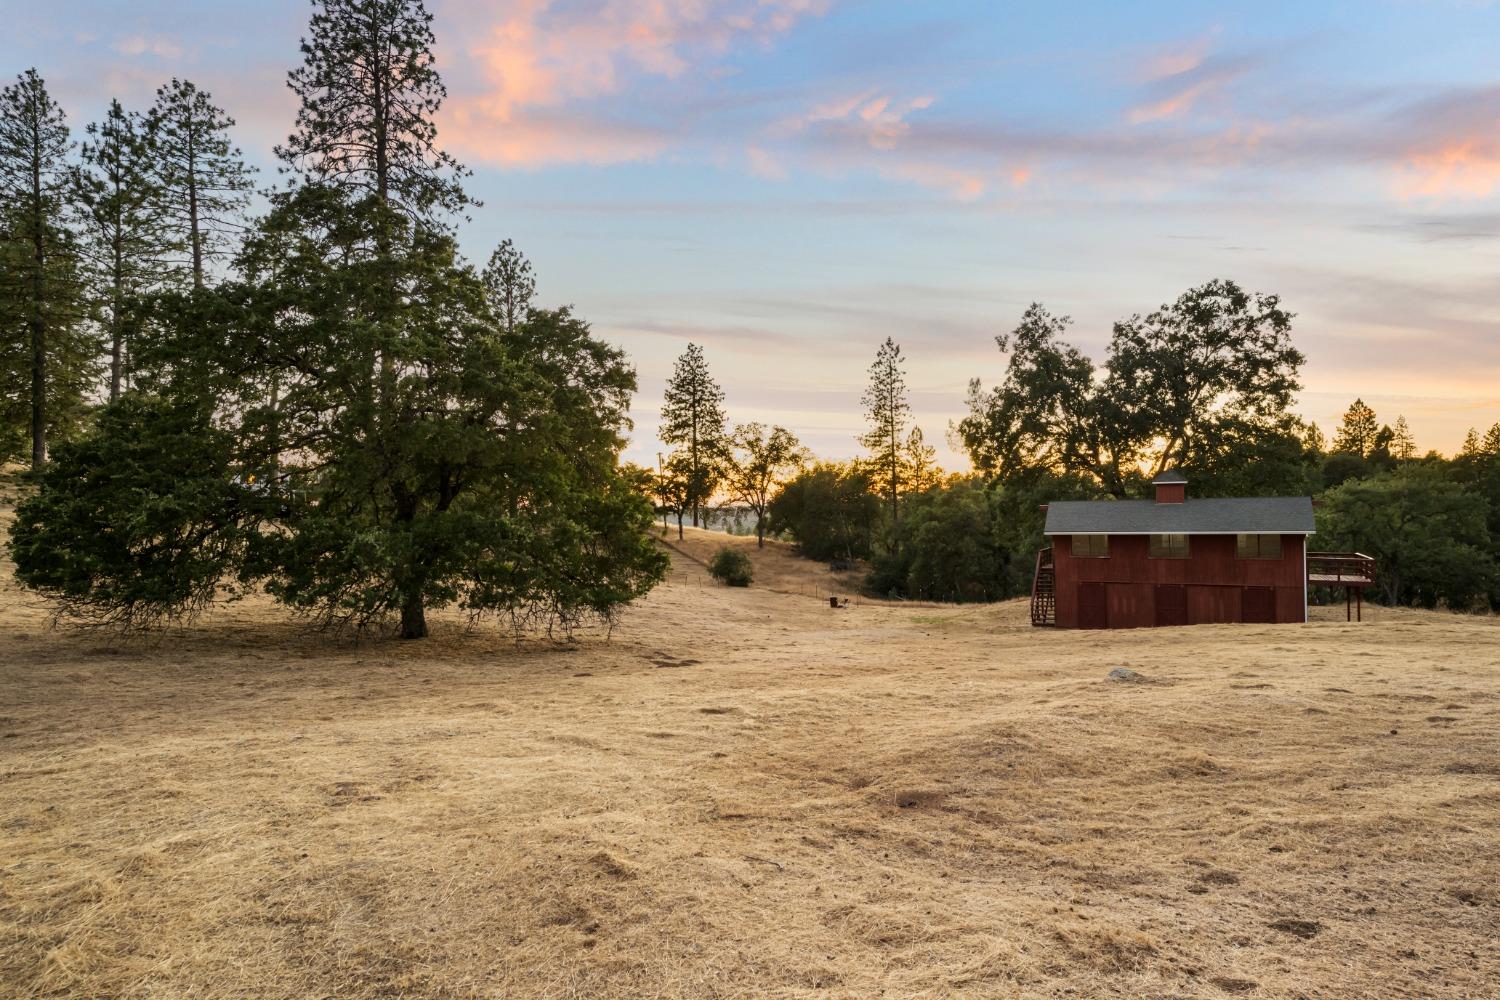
1229,985
1126,674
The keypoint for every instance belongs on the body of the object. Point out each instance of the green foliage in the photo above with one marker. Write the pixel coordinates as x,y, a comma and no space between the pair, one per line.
731,567
966,540
1478,472
1427,534
1179,378
141,520
1016,504
948,550
829,511
1236,458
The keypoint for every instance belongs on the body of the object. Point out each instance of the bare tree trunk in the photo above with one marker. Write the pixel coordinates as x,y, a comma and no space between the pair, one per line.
413,618
696,478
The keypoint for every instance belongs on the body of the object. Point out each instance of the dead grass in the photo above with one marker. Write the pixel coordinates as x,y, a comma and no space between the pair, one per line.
747,793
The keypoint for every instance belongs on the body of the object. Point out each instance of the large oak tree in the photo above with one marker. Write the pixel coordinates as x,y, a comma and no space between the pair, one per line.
1213,367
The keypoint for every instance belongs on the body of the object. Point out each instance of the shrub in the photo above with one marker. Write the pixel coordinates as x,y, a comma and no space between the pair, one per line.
732,567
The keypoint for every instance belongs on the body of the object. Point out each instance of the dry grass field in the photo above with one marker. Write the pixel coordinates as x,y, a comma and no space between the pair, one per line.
745,793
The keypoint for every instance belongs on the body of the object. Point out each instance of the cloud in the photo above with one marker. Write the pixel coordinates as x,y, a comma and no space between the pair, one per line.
538,68
549,136
1464,168
1179,83
764,164
1450,145
879,119
139,45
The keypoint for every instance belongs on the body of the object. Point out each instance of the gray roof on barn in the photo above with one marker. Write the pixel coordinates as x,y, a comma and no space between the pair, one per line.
1251,515
1170,476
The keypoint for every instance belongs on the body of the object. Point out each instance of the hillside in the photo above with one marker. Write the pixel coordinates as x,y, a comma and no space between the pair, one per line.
746,792
777,566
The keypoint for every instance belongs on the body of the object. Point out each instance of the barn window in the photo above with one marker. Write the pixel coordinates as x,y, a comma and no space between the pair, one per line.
1258,546
1091,546
1169,547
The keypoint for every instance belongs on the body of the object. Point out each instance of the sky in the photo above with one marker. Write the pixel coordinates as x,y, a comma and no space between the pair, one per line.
789,182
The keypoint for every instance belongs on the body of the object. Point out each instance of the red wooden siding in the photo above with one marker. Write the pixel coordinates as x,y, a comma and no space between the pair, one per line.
1209,586
1171,604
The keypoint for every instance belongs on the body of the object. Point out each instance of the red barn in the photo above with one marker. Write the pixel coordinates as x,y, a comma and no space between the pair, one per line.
1176,561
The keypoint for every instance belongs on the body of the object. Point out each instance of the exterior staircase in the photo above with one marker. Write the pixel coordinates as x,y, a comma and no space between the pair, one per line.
1044,591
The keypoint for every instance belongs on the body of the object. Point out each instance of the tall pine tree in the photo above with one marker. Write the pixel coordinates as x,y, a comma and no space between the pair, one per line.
1357,431
888,412
40,282
370,92
123,238
510,283
692,418
203,179
1403,445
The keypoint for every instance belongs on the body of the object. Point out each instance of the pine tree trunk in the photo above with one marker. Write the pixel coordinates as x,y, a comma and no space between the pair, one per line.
194,233
116,339
38,325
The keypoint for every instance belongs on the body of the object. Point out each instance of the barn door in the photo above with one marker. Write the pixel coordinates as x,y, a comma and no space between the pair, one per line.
1171,604
1093,606
1258,604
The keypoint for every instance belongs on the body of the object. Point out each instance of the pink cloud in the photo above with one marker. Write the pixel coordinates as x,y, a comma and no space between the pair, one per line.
533,62
878,118
1181,79
1459,168
1174,106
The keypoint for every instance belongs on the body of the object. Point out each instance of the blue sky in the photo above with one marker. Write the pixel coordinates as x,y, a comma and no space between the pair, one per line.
788,182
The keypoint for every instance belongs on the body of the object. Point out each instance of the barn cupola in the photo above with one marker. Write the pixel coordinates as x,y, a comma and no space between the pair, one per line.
1171,487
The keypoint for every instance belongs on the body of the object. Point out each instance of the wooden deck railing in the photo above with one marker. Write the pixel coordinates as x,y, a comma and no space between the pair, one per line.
1340,569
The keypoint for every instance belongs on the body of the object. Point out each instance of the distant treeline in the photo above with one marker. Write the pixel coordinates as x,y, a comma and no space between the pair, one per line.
1203,385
